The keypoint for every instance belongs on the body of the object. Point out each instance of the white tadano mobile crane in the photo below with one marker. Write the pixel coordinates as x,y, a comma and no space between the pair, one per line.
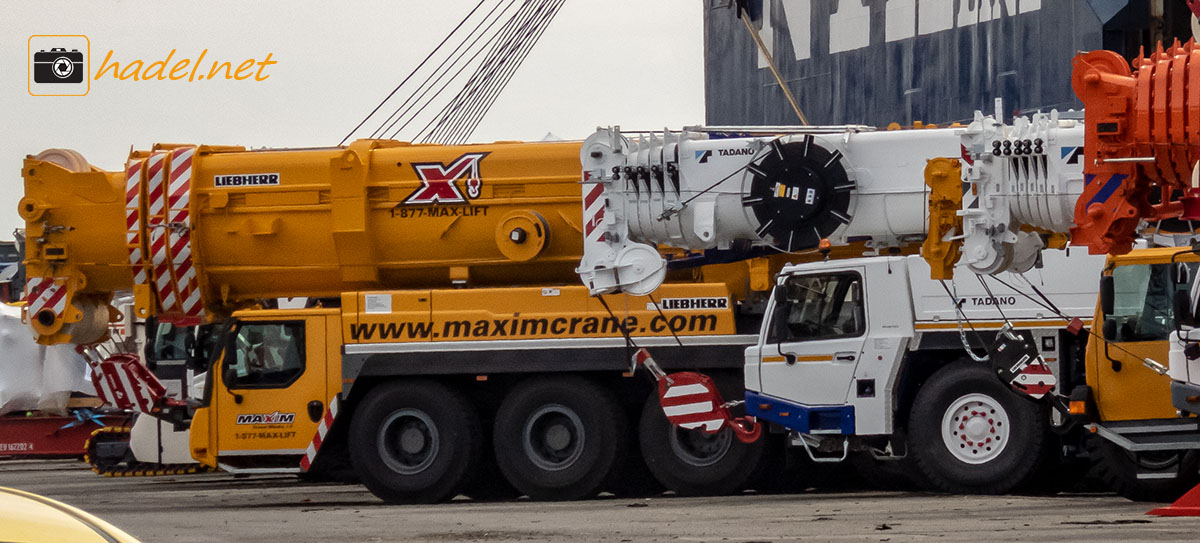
868,354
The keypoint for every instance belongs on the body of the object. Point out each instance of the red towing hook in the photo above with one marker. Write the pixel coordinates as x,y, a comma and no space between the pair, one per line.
690,400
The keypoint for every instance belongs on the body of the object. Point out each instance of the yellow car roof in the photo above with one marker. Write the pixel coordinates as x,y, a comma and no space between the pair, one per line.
29,518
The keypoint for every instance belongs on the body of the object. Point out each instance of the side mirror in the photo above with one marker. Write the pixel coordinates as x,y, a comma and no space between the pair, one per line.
779,327
1178,274
778,293
189,341
229,377
1109,329
1183,309
197,361
1106,295
151,330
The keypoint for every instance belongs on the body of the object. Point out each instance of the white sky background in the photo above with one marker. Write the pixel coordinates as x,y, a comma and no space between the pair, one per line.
638,64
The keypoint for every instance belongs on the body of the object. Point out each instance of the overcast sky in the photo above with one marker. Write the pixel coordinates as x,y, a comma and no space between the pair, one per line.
635,63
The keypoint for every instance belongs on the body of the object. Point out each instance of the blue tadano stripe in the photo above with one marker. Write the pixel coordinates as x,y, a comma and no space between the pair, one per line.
1108,189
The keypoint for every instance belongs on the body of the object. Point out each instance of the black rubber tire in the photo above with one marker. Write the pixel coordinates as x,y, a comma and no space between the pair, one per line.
634,479
331,468
458,441
1017,461
595,441
333,464
488,483
692,463
1117,469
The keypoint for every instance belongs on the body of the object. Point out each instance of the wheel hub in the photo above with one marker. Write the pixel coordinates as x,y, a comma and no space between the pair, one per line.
700,449
553,437
975,428
408,441
412,439
558,437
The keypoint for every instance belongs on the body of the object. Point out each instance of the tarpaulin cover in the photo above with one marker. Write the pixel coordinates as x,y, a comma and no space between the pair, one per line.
36,377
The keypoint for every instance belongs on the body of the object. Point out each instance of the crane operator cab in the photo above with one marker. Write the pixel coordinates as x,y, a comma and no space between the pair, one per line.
277,371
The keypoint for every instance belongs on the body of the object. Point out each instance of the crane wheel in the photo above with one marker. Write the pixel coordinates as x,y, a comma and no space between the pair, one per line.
487,482
692,462
969,434
1172,472
414,441
635,480
559,438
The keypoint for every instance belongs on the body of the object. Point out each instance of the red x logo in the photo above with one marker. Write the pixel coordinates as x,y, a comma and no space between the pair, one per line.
438,181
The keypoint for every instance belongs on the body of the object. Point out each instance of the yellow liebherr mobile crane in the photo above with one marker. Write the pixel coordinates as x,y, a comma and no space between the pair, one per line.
447,347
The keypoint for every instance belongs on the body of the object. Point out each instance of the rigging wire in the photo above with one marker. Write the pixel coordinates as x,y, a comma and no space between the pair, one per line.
995,300
412,73
481,53
441,72
962,334
459,118
490,99
1049,306
504,35
506,76
466,102
662,316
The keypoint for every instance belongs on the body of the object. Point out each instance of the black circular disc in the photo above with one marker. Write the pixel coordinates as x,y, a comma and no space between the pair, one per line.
799,193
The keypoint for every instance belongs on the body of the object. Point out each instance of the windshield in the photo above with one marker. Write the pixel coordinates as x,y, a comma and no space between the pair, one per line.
266,354
1142,301
820,306
193,344
9,253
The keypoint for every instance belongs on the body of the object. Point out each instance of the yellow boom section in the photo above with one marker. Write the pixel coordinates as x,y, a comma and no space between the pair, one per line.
196,231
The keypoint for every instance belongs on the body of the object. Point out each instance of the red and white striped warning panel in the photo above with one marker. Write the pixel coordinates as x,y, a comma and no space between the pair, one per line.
1035,379
179,243
690,400
156,228
310,455
593,212
123,382
133,220
46,293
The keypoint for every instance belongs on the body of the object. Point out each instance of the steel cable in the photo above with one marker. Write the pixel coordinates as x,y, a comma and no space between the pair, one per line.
490,99
497,55
441,72
412,73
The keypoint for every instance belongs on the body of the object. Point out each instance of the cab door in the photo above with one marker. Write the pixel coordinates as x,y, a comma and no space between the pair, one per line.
271,392
815,338
1142,318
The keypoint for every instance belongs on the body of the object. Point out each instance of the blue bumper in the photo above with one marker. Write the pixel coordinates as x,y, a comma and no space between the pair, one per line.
801,418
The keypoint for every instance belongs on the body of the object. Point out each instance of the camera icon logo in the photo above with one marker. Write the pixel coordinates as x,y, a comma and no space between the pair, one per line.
58,65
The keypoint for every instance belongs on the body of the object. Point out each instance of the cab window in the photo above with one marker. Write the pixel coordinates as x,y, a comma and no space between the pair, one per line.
170,342
1142,301
265,355
821,306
